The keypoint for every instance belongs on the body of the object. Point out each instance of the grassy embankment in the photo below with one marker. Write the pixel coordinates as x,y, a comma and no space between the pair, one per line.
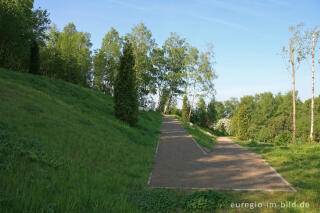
203,136
62,149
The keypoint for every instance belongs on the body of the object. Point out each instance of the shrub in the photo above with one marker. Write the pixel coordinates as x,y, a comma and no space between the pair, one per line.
283,138
184,111
155,200
205,201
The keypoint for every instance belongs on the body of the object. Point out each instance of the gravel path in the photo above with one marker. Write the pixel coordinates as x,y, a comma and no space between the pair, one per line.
181,163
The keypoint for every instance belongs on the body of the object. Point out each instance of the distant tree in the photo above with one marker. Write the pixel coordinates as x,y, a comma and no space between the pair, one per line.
211,112
99,64
68,55
243,123
293,56
202,112
184,112
231,107
125,90
219,106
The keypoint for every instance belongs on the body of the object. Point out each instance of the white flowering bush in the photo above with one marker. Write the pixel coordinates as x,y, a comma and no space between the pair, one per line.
222,125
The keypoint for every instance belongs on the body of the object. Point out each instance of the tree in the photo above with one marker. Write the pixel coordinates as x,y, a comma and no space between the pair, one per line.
243,123
125,90
175,52
20,27
202,112
220,109
200,72
212,112
99,64
185,109
231,107
295,46
159,72
68,55
108,59
312,38
142,44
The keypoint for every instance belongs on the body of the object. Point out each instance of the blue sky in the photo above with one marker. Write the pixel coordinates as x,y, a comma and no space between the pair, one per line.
248,35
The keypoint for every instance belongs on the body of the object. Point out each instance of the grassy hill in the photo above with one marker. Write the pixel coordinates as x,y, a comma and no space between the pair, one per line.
62,149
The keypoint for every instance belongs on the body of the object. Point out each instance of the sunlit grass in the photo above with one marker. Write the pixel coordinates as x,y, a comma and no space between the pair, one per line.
203,136
62,149
299,164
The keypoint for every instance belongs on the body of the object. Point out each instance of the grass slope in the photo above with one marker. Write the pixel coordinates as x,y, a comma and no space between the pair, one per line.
299,164
62,149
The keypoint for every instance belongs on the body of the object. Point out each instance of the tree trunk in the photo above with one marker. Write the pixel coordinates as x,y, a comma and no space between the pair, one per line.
192,102
159,96
312,99
293,92
166,105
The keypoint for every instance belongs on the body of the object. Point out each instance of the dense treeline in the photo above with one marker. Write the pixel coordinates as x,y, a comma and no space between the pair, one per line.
268,118
162,72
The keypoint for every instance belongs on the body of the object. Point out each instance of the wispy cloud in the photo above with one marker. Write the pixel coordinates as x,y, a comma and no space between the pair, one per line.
220,21
131,5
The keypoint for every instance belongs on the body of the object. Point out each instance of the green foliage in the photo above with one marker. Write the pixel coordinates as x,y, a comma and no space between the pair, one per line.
20,25
142,45
184,114
271,118
205,201
63,150
106,62
125,91
155,200
175,53
67,55
212,112
243,123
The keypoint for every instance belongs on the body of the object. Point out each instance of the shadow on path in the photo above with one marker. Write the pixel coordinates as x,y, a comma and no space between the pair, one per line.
180,163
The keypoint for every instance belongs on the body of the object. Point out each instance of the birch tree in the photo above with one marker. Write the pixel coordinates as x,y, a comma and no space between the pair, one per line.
293,55
175,49
200,73
311,38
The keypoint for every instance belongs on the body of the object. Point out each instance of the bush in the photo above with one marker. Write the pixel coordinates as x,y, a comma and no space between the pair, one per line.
283,138
205,201
184,111
155,200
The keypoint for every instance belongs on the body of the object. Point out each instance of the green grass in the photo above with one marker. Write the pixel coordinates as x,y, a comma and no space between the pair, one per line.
203,136
299,164
62,149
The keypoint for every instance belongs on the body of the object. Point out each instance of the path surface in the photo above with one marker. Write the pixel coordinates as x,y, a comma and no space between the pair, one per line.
180,163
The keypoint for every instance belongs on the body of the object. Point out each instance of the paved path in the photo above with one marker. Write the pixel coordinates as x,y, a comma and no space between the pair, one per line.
180,163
